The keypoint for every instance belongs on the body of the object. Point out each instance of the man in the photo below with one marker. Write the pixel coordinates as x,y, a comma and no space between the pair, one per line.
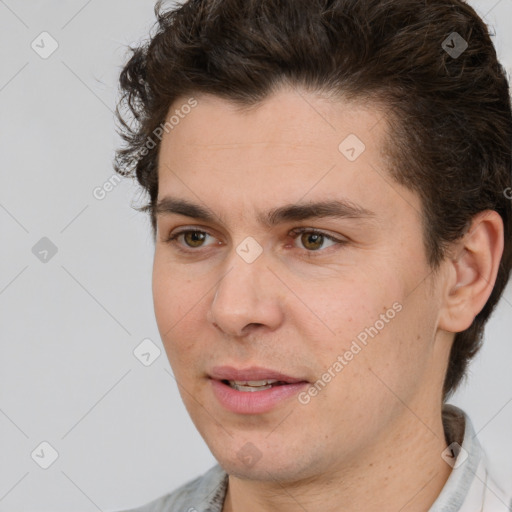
327,188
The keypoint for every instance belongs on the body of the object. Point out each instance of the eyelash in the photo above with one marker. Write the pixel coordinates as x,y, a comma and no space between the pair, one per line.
172,239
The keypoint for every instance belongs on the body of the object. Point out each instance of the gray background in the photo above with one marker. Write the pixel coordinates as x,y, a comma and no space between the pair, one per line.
68,374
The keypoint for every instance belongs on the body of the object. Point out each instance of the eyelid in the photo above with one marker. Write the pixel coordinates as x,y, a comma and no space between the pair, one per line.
338,241
185,229
294,233
171,238
316,231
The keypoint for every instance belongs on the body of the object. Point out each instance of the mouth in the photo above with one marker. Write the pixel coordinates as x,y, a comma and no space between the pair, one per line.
254,385
253,390
255,378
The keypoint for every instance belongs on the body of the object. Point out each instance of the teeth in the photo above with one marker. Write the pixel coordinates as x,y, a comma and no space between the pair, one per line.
252,385
253,382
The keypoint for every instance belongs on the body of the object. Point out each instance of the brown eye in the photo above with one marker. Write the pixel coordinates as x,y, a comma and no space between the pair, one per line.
312,241
189,238
194,238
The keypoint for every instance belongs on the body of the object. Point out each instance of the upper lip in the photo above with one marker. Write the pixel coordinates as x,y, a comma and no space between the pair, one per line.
251,373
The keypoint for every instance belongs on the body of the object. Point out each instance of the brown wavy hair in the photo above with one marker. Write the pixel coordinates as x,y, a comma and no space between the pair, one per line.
449,116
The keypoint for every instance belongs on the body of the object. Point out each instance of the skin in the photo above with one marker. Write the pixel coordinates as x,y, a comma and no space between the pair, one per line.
372,438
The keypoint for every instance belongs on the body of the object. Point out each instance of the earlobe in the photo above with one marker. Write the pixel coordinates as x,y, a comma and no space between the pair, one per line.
472,271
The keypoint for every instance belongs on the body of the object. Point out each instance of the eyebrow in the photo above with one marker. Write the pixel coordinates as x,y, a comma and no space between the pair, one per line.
290,212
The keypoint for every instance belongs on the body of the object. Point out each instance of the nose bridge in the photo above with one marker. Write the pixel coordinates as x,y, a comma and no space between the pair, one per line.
246,294
240,287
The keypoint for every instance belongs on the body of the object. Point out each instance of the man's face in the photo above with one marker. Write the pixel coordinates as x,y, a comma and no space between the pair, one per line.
361,308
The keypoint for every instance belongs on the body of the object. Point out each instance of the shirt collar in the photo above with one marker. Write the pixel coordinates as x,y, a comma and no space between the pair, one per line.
470,487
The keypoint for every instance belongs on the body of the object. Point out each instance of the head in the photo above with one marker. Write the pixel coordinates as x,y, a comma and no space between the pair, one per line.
245,106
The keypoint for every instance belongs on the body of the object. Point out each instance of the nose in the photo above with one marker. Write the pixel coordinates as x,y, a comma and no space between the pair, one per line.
247,297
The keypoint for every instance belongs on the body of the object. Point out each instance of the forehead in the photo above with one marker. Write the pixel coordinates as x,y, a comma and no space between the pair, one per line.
289,129
292,147
292,117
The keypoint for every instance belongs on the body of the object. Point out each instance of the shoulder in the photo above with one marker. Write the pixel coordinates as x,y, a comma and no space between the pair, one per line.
202,494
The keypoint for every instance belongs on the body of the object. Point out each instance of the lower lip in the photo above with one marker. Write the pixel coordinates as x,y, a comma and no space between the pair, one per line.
254,402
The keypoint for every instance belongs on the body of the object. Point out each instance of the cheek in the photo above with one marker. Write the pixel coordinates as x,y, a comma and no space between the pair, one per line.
174,292
165,292
345,305
392,357
177,303
369,321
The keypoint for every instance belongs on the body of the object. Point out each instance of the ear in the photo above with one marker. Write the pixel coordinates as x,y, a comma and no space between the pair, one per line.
472,270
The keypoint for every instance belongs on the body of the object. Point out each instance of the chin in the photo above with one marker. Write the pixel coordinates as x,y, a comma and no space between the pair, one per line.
266,468
263,472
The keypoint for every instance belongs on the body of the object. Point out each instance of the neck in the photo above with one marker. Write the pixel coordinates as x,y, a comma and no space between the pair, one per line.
401,471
